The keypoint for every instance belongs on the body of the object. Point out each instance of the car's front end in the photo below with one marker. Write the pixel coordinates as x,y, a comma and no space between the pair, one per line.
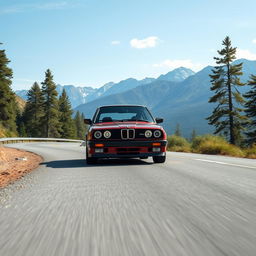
125,138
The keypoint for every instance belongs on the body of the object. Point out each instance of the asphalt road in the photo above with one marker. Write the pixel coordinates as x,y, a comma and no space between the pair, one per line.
191,205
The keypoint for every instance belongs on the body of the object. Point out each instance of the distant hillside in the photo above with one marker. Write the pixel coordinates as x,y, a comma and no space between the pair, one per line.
183,102
20,102
77,95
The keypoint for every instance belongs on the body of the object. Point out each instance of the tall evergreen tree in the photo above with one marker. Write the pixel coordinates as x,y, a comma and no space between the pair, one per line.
193,135
250,110
80,126
65,117
21,129
7,97
33,111
177,130
226,116
50,119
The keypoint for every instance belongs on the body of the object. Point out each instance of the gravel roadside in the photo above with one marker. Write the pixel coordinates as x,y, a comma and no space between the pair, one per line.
15,163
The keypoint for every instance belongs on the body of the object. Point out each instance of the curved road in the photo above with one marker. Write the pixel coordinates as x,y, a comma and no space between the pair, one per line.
191,205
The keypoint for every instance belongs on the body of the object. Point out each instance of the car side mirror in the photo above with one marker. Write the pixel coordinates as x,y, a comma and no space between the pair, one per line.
159,120
88,121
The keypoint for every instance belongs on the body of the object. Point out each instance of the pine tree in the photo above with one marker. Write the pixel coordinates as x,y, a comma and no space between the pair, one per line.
7,97
250,110
80,126
20,124
193,135
34,111
226,116
65,117
177,130
50,119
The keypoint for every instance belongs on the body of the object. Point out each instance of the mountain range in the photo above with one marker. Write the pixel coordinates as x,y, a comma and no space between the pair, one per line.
184,102
81,95
180,96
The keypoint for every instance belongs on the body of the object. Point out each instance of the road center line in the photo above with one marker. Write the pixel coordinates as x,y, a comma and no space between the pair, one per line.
223,163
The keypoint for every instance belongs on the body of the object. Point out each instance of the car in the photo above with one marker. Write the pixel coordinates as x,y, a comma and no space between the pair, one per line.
125,131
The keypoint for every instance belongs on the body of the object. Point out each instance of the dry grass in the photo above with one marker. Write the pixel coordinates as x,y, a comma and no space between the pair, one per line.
178,144
250,152
214,145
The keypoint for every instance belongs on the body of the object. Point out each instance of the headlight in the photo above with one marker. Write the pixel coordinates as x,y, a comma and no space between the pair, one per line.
97,134
107,134
157,133
148,134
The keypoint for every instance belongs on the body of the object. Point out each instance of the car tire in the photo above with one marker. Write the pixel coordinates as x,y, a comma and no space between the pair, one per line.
91,160
159,159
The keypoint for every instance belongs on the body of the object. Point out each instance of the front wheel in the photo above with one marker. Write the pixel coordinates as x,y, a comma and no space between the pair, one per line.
90,160
159,159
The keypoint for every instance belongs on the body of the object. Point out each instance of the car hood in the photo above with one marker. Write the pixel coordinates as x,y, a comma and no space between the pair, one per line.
126,125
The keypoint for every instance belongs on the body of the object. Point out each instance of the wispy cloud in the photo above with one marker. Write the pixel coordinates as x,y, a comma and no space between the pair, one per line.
245,54
172,64
254,41
148,42
115,42
58,5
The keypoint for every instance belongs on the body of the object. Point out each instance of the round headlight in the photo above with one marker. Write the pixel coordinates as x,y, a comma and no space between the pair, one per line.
97,134
107,134
148,134
157,133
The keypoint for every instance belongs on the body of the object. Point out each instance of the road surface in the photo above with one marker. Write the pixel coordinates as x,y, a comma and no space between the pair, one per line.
192,205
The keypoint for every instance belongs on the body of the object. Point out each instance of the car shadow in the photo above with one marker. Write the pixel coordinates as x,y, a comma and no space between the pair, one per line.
77,163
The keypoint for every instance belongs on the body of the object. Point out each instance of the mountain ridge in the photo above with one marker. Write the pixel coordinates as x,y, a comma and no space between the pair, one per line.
183,102
81,95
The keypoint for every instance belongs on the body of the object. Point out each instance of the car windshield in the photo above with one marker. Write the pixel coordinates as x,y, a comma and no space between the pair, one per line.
123,113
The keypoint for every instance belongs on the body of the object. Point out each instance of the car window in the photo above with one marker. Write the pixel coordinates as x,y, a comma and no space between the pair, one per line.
123,113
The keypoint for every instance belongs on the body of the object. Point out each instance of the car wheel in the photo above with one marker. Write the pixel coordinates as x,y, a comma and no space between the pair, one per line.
159,159
90,160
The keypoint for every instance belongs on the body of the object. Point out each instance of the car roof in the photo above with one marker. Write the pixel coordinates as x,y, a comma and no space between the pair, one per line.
122,105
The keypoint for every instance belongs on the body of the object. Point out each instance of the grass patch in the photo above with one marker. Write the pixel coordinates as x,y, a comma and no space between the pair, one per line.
250,152
215,145
4,133
178,144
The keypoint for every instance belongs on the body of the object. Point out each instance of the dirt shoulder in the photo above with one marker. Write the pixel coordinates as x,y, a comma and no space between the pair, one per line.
15,163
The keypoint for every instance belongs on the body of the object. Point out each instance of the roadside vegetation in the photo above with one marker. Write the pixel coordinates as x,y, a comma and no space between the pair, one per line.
43,115
209,144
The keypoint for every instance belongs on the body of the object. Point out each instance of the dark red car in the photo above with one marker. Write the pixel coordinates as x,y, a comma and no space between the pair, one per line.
125,131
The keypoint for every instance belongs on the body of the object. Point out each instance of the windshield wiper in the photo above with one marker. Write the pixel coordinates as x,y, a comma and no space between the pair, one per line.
141,120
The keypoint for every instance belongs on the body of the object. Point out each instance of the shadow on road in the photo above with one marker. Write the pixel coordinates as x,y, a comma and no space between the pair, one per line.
76,163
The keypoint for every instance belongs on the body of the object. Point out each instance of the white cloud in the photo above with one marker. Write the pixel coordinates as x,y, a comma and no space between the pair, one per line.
148,42
245,54
254,41
172,64
115,42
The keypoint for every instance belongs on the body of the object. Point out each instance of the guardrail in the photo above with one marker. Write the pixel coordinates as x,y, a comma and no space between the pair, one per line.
21,140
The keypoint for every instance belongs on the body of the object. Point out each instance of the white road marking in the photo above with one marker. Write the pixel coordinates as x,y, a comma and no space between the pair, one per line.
223,163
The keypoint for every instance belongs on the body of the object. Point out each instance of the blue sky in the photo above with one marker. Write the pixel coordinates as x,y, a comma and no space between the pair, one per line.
92,42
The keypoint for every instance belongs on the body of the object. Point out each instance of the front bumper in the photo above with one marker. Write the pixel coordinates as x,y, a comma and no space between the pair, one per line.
126,148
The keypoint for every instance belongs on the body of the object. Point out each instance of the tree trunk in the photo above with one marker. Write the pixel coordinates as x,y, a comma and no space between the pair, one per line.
231,118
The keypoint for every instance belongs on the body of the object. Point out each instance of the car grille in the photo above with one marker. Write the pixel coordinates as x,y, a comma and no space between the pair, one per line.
128,134
128,151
